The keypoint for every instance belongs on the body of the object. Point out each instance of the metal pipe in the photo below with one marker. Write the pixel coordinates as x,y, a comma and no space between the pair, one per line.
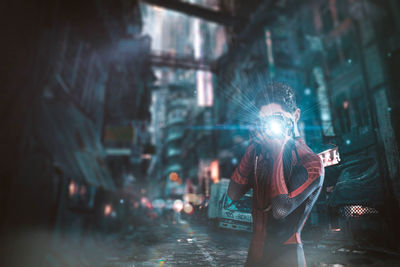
198,11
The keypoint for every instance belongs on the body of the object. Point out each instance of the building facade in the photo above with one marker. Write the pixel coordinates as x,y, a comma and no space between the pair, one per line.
338,56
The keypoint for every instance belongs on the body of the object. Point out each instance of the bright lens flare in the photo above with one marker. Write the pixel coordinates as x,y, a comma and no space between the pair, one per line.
188,208
178,205
275,127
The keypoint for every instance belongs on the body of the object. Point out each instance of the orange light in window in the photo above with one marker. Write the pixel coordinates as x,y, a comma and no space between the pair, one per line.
173,176
107,209
144,201
73,188
188,208
215,171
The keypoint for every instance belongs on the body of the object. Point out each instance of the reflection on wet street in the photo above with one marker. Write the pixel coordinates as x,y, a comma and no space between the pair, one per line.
193,244
197,244
182,244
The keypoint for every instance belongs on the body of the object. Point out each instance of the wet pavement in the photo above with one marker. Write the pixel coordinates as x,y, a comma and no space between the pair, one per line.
192,244
184,244
198,244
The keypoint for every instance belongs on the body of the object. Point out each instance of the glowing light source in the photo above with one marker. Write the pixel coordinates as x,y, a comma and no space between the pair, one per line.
214,166
146,156
357,210
205,90
234,161
188,208
345,104
72,189
330,157
195,199
144,201
173,176
161,262
275,127
178,205
107,209
307,91
158,9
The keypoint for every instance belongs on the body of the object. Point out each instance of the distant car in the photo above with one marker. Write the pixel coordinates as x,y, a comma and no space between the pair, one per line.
238,216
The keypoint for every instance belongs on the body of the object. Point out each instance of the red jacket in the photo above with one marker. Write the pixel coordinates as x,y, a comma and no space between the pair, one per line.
284,192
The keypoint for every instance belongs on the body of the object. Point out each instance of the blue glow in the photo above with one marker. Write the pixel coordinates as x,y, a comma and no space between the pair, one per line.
221,127
234,161
241,127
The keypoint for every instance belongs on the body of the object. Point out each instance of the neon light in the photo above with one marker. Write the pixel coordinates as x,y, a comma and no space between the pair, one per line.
214,166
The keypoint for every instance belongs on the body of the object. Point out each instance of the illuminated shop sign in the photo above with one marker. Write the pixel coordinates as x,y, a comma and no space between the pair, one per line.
330,157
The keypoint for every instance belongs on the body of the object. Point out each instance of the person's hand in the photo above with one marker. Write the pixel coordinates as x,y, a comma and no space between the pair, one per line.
273,145
229,203
276,145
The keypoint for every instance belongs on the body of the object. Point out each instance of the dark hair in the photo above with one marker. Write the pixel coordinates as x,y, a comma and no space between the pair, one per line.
279,93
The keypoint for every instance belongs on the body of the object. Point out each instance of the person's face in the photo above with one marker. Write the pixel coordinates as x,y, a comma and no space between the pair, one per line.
273,108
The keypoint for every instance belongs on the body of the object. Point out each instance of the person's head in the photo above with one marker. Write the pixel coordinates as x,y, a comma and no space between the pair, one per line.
277,98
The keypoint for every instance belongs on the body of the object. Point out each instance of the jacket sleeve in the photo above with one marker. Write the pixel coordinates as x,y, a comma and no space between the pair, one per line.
305,179
241,178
